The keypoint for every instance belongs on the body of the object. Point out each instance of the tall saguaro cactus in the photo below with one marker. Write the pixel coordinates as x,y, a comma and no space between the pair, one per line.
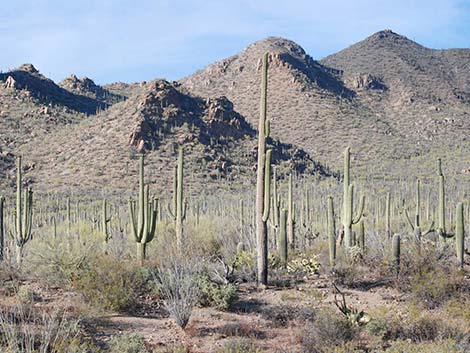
263,181
23,215
460,234
282,245
441,211
388,223
144,226
331,231
290,215
179,205
348,202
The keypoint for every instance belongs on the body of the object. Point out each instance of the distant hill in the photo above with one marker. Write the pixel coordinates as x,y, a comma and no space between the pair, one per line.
100,153
392,100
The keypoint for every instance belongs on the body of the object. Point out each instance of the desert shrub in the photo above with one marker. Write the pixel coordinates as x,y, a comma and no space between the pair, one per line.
25,295
219,296
282,315
57,261
448,346
239,346
346,274
459,307
173,349
129,343
24,329
178,282
109,284
415,326
328,329
432,289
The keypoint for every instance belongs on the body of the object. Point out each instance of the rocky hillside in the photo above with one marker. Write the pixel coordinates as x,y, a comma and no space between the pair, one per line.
397,103
33,106
100,153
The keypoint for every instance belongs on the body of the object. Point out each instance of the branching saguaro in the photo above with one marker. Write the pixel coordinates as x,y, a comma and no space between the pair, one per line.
263,180
144,226
23,214
348,202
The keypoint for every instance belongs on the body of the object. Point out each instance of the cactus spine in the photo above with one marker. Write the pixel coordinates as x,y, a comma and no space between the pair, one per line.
331,231
348,202
460,234
2,230
179,204
144,226
263,182
24,214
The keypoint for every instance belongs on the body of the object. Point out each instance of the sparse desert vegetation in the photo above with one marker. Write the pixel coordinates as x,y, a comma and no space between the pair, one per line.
151,235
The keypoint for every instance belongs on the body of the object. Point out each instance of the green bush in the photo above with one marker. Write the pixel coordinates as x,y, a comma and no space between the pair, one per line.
109,284
432,289
219,296
328,329
129,343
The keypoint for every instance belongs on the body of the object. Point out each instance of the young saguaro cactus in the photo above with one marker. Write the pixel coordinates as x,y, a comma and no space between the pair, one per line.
23,214
263,181
178,213
144,226
348,202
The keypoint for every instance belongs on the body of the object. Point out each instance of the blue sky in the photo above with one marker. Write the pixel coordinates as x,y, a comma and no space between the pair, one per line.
122,40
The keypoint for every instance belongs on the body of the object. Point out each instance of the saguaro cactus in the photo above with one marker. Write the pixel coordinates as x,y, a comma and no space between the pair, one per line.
290,215
348,202
2,230
460,234
388,223
263,181
441,212
282,246
144,226
105,220
178,213
396,252
331,231
23,215
416,225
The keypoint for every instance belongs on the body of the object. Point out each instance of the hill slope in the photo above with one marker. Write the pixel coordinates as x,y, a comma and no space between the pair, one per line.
100,153
388,97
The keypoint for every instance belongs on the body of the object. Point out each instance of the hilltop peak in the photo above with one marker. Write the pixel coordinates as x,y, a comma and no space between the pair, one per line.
277,45
28,68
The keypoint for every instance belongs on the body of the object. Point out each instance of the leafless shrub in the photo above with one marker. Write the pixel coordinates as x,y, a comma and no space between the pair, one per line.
177,280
